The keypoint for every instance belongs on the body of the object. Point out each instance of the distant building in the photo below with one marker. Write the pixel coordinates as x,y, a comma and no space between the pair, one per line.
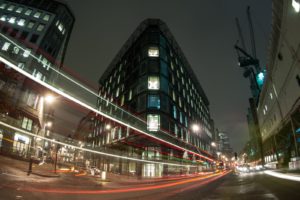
279,104
41,28
151,78
224,144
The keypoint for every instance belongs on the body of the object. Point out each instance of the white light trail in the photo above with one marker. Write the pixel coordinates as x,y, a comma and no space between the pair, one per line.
283,176
88,150
50,87
82,86
84,104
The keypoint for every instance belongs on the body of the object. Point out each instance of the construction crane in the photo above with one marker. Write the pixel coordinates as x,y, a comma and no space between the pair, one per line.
246,60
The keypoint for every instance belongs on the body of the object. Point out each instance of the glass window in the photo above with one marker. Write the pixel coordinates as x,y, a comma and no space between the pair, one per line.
172,65
30,24
24,122
3,18
46,17
174,112
130,95
180,117
154,101
122,100
28,12
27,123
153,52
174,96
19,10
117,92
40,27
21,65
153,83
153,122
176,130
11,7
60,27
21,22
164,69
3,5
5,46
34,38
37,15
12,20
26,53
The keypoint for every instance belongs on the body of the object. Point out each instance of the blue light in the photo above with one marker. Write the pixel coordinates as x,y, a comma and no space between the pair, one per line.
260,78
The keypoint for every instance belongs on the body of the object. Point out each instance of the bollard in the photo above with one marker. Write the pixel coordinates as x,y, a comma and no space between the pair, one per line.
30,166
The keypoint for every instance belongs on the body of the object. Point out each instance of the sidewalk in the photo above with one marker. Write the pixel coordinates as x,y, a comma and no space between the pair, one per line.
19,167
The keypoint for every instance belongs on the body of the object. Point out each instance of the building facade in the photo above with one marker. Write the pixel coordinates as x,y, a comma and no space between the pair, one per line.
34,36
278,109
151,79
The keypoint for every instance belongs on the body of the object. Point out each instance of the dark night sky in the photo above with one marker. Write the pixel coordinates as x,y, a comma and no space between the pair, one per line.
206,32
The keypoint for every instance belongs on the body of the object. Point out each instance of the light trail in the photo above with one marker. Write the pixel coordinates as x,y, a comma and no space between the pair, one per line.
90,150
98,96
126,190
283,176
73,99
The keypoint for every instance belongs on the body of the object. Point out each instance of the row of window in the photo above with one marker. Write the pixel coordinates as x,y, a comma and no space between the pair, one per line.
22,22
26,11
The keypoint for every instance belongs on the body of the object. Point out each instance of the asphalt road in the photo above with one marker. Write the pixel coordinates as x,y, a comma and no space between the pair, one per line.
230,186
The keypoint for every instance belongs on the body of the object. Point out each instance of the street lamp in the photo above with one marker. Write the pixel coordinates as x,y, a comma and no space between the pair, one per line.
213,144
195,127
108,127
49,98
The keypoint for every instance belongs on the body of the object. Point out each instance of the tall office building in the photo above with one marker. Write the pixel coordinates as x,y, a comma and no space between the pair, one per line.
278,110
151,78
34,36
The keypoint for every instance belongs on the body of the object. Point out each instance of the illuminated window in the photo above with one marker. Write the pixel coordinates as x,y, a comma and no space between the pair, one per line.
21,22
174,96
130,95
26,53
40,27
153,122
27,124
153,83
46,17
154,101
28,12
5,46
296,5
3,5
15,50
10,8
12,20
37,15
30,24
60,27
176,130
122,100
3,18
174,112
117,92
21,65
19,10
153,52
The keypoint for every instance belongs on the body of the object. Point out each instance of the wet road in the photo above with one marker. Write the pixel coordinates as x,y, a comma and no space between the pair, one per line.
230,186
